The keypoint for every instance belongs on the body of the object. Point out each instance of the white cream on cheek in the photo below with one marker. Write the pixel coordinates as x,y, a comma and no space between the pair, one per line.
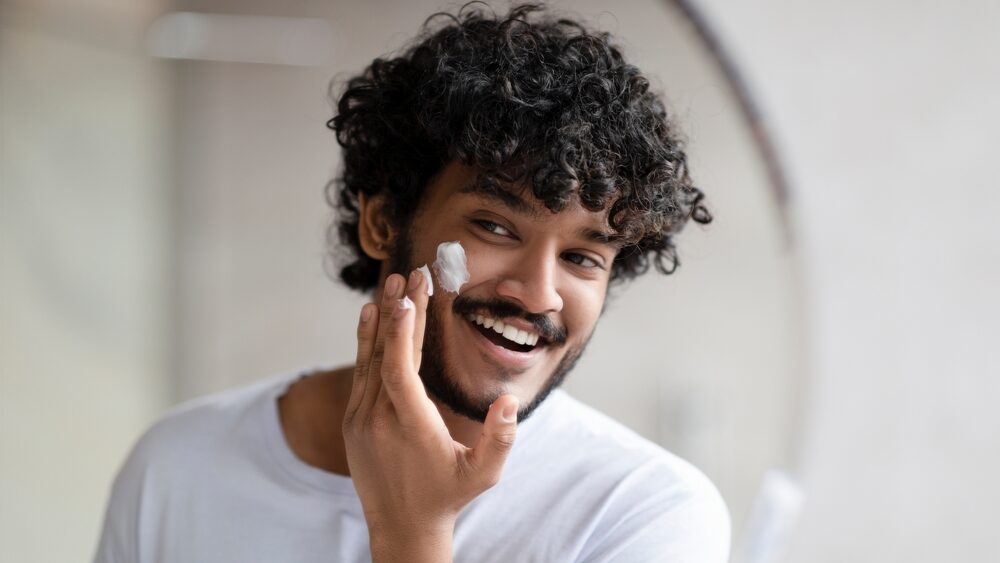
451,266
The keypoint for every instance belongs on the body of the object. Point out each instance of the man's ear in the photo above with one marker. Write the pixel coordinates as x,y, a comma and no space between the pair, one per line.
374,228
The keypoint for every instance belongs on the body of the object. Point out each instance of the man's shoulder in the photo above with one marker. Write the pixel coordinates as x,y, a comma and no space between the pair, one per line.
644,490
581,427
187,454
202,424
593,442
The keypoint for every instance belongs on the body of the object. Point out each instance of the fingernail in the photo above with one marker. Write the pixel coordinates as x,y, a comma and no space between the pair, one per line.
401,307
509,413
414,280
392,287
366,313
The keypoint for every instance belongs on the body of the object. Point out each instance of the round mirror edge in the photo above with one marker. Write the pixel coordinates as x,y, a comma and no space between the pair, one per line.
782,196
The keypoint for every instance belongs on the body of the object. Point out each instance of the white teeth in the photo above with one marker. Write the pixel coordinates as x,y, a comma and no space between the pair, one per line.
516,337
509,332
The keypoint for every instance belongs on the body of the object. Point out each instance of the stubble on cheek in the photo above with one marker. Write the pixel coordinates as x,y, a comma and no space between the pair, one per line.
439,374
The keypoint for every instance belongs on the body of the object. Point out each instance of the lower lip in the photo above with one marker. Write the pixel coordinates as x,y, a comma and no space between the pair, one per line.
501,355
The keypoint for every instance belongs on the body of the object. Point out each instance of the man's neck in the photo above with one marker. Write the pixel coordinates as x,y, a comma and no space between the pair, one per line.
312,411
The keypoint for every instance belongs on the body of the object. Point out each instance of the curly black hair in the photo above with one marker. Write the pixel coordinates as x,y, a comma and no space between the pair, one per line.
521,97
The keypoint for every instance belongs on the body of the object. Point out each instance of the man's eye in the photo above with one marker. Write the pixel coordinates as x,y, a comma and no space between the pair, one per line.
493,228
581,260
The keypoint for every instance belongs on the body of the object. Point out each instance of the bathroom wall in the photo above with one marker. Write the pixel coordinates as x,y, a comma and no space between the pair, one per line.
886,116
85,258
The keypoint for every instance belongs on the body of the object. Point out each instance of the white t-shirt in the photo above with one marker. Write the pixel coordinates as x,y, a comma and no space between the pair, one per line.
215,481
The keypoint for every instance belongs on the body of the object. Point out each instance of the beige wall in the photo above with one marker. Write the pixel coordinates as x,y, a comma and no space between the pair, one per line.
887,114
84,259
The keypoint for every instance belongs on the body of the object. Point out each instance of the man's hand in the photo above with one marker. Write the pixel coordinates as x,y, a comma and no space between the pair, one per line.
412,477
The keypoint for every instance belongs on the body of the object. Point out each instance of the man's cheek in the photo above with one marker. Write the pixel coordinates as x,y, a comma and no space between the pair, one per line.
485,260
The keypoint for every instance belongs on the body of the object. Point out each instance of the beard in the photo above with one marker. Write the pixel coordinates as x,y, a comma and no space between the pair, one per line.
438,375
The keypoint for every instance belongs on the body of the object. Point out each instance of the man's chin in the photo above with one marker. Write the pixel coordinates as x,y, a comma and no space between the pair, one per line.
444,391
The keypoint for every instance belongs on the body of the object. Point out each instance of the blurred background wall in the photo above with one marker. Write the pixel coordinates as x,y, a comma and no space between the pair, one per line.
886,114
85,262
132,278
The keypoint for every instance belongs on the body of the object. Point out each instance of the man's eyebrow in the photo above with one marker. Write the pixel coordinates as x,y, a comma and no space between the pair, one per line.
496,193
601,237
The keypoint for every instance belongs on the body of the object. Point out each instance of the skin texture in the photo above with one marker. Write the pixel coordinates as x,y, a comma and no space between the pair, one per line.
415,461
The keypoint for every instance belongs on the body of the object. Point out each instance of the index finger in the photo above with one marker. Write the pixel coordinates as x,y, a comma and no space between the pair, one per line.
418,292
400,379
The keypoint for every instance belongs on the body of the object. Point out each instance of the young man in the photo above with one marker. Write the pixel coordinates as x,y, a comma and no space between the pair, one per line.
532,144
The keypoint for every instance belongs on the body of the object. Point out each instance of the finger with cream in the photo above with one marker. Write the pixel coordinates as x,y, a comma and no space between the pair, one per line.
451,266
427,276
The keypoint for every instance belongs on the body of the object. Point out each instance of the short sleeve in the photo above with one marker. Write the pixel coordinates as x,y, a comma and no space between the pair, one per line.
119,533
132,497
688,523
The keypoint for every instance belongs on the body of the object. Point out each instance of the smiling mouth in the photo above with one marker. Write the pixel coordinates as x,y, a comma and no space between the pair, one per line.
506,337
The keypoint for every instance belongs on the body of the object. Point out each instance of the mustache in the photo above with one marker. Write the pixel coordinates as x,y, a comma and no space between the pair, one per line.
499,308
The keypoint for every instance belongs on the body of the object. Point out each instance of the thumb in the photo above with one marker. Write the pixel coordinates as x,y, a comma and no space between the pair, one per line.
499,431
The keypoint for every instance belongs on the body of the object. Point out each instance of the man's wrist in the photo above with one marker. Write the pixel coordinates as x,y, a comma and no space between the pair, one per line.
428,542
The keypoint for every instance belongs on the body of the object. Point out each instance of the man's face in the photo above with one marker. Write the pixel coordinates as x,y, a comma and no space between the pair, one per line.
528,268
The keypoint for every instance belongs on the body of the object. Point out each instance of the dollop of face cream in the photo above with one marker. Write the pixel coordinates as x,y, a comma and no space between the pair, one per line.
427,276
451,266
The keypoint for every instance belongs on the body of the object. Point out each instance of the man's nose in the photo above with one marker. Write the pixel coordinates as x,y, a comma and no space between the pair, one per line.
533,281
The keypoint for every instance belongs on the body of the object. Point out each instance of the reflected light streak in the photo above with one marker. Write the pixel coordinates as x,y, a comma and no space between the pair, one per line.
240,38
